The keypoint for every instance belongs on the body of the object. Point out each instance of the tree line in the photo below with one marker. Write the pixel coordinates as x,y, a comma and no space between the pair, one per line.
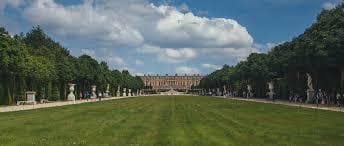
35,62
319,51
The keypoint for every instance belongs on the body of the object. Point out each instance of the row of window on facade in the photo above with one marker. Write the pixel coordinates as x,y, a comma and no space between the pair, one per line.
176,75
171,83
172,78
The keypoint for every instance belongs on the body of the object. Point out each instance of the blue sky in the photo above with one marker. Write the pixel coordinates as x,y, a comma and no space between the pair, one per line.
165,36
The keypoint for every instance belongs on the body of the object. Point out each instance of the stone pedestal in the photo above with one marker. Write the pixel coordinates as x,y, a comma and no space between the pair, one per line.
124,92
106,94
118,94
71,96
310,95
94,89
31,96
129,94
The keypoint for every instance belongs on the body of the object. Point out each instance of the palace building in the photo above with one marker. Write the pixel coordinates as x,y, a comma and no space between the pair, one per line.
167,82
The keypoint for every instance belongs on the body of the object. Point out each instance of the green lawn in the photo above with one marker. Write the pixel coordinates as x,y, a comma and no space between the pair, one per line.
172,121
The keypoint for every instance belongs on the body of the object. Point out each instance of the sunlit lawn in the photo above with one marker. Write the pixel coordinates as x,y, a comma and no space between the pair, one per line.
178,120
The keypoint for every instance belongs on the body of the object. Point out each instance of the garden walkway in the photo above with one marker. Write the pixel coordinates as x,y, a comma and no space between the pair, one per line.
53,104
295,104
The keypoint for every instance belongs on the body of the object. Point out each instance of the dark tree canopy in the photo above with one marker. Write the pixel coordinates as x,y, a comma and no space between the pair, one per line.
36,62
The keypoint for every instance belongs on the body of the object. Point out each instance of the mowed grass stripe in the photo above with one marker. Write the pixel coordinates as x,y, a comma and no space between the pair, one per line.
173,120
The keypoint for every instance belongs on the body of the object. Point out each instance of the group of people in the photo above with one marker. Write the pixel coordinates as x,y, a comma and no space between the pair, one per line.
320,97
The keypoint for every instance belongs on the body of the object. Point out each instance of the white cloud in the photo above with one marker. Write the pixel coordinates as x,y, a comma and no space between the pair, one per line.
138,74
237,54
115,60
103,55
131,24
177,29
211,66
264,48
176,55
89,52
85,21
171,34
169,55
187,70
330,5
139,62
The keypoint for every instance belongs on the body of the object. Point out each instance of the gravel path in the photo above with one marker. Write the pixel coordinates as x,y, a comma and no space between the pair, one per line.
53,104
304,105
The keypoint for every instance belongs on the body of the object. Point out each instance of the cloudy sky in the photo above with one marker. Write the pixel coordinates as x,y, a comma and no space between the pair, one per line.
165,36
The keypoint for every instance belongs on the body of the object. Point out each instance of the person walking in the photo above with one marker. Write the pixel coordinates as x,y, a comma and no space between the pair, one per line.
338,99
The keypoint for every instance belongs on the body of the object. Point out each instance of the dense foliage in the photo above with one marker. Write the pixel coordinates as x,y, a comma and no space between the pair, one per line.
35,62
319,51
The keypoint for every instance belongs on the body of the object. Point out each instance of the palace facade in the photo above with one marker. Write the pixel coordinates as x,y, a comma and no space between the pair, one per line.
176,82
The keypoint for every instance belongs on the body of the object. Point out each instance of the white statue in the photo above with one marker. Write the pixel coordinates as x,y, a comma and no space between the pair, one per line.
224,90
124,92
94,89
271,90
310,90
118,94
107,88
249,93
71,95
107,91
129,94
309,82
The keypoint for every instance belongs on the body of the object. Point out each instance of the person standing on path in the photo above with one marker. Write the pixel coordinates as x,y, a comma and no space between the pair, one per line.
338,99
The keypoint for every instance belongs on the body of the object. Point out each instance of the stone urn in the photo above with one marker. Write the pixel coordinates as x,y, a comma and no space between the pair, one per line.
71,96
94,89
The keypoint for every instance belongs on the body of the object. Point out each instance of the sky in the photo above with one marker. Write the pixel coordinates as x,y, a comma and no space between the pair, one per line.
165,36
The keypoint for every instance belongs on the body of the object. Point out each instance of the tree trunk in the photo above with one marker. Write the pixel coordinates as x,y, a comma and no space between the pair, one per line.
342,81
13,89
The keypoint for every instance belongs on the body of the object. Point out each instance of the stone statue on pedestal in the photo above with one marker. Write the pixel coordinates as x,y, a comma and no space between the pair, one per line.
118,94
224,91
94,89
249,91
71,95
107,91
271,92
124,92
129,94
310,90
